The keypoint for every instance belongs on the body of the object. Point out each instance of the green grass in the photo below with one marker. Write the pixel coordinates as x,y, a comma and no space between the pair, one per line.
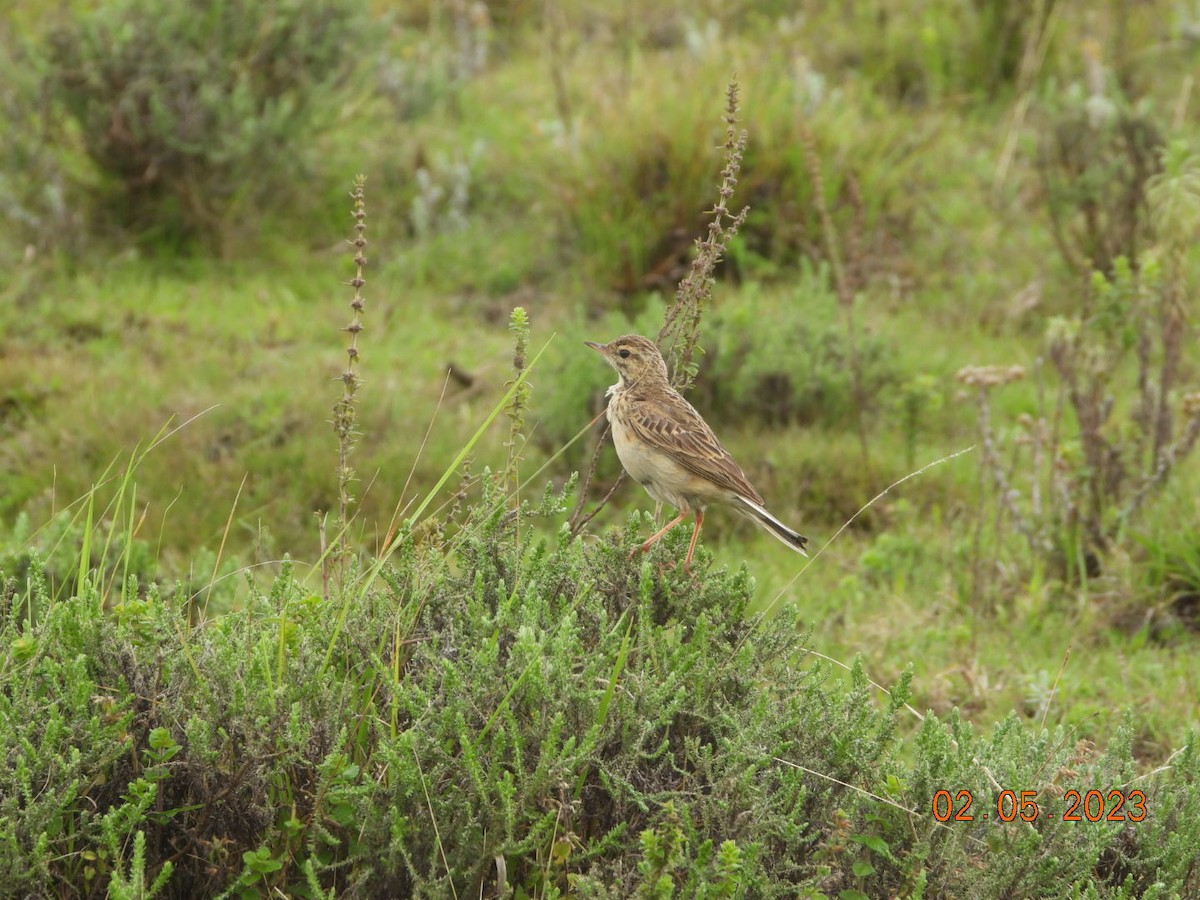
249,355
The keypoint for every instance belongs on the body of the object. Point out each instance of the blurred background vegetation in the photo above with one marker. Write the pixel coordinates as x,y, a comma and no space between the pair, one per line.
1006,192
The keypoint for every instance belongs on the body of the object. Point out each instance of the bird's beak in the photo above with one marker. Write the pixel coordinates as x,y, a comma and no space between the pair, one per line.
595,346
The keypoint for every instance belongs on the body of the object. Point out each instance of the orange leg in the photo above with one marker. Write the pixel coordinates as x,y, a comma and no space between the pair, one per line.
687,563
654,538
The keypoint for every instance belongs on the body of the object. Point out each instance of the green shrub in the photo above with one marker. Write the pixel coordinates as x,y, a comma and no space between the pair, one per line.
54,550
196,116
416,74
38,201
783,357
635,194
634,197
503,711
867,164
921,53
1072,477
1096,153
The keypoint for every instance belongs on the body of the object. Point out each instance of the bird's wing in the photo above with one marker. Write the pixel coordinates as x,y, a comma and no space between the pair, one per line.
671,424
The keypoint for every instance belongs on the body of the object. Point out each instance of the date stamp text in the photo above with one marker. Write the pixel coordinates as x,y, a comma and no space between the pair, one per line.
1073,806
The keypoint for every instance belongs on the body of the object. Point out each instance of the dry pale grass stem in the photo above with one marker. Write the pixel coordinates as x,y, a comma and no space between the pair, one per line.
345,413
991,464
983,379
680,333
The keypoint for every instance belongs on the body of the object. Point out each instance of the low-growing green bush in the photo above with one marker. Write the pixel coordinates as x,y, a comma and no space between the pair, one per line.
633,195
524,714
196,116
633,198
784,357
38,200
918,54
1096,154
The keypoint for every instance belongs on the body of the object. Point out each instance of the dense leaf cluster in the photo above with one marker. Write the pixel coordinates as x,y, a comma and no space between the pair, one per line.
524,715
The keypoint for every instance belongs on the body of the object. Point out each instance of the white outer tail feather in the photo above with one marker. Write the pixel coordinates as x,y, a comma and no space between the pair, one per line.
771,525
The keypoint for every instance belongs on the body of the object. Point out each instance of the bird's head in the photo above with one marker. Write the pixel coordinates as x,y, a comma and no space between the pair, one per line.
635,358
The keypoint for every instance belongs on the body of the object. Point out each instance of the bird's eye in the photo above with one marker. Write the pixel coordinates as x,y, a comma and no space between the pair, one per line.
624,354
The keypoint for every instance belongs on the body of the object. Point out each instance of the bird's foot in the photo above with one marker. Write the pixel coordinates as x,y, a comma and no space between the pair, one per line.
641,548
685,567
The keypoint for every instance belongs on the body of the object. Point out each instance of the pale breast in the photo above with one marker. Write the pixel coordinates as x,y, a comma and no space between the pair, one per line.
663,478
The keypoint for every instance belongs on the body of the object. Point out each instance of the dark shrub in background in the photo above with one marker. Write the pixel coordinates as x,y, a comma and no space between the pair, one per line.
196,114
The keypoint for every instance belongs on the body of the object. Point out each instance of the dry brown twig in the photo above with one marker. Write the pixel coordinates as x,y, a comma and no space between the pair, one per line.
345,413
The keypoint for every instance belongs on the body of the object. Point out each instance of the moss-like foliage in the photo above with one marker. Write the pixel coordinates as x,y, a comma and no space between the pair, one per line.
525,715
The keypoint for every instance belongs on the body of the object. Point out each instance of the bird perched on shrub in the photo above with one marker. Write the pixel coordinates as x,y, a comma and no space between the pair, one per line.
668,448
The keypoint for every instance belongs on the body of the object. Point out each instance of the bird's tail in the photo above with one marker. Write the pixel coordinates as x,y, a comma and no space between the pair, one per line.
769,523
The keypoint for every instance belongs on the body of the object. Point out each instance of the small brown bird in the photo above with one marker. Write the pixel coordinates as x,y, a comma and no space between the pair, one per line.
666,446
